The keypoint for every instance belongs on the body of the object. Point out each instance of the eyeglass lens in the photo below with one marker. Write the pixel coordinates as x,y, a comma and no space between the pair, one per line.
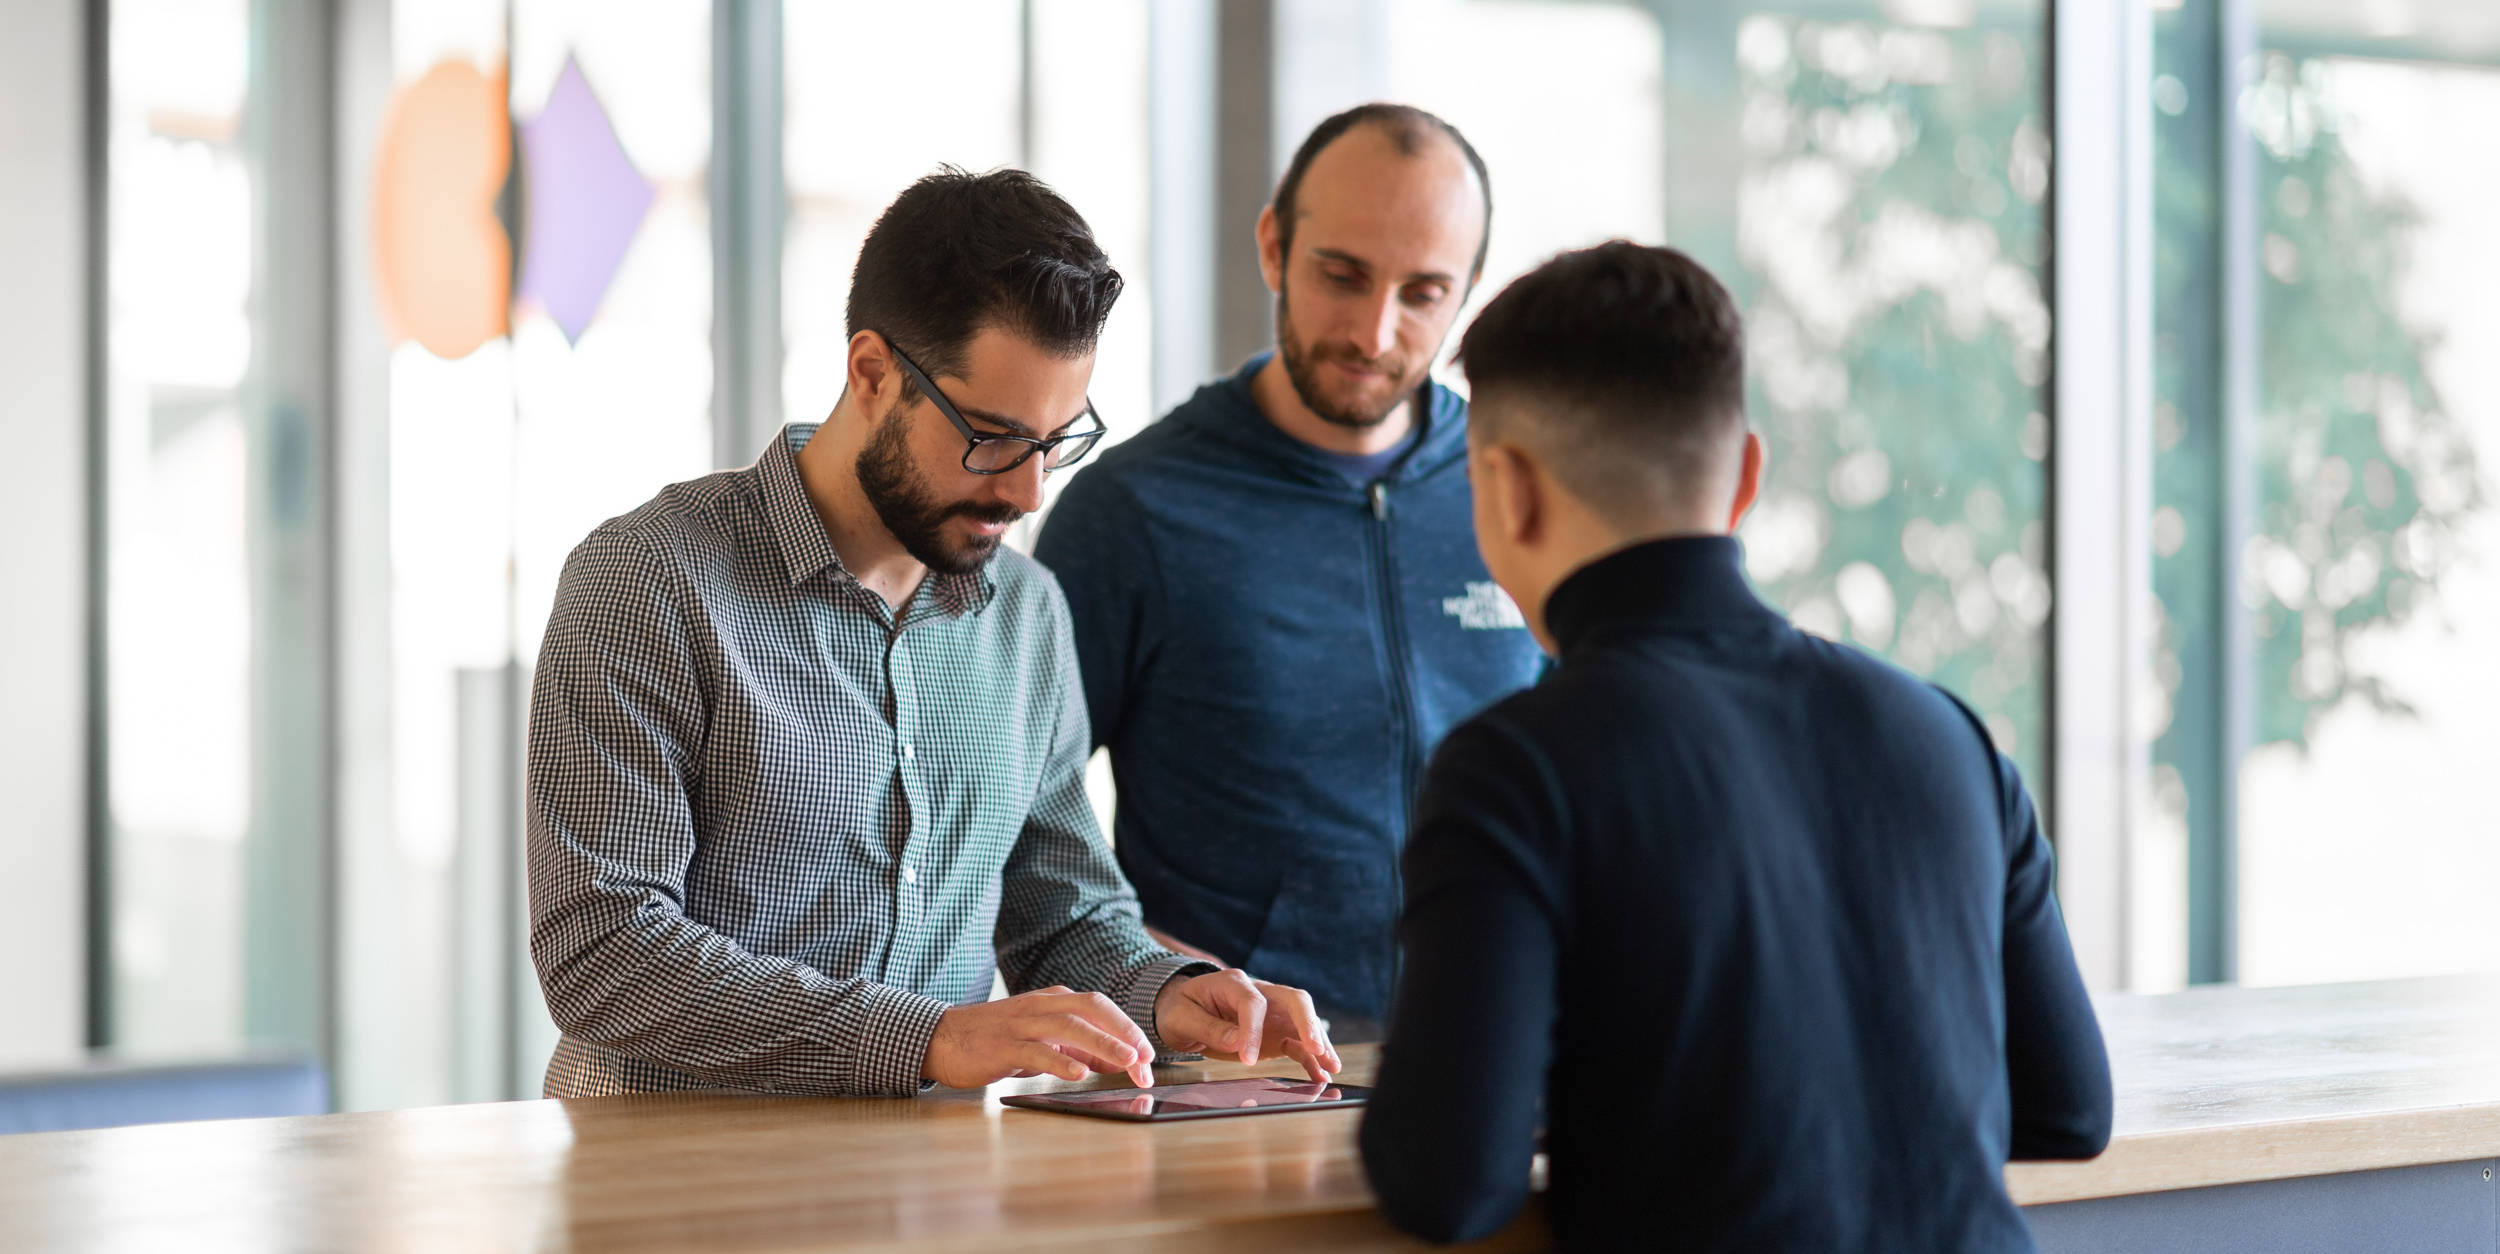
993,456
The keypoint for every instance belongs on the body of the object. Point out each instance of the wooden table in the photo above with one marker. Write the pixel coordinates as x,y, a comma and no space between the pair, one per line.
2218,1086
2234,1085
949,1170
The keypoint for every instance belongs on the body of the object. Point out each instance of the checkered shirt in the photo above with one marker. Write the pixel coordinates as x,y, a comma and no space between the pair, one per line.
777,829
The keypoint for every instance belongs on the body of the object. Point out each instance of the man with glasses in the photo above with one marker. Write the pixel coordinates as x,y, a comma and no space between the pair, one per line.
806,749
1277,606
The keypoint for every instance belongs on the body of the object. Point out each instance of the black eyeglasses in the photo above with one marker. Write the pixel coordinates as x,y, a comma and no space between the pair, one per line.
996,454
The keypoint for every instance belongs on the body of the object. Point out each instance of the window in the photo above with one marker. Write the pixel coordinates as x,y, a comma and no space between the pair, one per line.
2323,535
862,121
1872,191
188,449
491,466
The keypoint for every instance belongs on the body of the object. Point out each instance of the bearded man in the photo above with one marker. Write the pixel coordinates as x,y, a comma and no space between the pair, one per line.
1278,606
807,748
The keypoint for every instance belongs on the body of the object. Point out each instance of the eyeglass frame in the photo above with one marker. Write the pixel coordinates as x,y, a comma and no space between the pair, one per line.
973,440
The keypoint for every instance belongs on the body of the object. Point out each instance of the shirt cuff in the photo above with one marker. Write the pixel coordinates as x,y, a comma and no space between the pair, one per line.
889,1041
1147,984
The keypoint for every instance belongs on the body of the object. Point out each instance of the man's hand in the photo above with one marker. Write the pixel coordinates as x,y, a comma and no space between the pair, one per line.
1047,1032
1227,1014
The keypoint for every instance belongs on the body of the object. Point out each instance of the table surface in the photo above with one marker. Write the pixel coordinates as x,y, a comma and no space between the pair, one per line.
2215,1086
2226,1085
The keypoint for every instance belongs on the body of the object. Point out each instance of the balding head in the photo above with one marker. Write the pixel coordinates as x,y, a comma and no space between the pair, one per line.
1403,130
1375,236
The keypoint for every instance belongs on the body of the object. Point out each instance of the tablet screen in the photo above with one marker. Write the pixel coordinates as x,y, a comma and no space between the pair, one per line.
1256,1095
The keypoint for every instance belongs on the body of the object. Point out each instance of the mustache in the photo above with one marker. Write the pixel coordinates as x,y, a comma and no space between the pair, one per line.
992,513
1390,364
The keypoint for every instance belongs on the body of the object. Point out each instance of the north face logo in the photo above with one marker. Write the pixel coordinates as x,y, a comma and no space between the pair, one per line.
1485,608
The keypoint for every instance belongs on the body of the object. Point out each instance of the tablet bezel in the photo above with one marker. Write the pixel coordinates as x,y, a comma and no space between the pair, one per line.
1058,1103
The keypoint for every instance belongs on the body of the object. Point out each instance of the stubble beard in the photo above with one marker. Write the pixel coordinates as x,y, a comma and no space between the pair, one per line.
1302,369
900,494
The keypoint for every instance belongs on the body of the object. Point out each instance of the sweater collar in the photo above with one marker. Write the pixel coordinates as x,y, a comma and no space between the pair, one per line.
1681,582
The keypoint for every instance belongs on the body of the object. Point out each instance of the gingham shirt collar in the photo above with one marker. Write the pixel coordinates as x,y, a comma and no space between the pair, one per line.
807,552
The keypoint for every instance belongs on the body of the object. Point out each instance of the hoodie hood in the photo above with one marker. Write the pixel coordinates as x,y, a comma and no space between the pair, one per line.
1225,412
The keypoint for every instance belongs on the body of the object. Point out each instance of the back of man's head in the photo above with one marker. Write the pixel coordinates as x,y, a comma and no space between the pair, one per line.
1622,369
959,252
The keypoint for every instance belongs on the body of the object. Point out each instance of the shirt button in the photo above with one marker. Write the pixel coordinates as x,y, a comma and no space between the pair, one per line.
907,753
911,876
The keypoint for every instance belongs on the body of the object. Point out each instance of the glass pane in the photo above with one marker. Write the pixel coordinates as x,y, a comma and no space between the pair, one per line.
179,536
2365,840
1871,189
875,96
499,461
447,460
607,419
1090,142
2324,574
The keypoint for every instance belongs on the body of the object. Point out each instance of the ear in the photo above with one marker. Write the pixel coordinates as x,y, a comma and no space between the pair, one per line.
1271,250
1510,484
871,373
1748,479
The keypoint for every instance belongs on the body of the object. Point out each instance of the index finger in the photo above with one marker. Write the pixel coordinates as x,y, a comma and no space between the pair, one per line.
1303,1022
1097,1009
1244,1001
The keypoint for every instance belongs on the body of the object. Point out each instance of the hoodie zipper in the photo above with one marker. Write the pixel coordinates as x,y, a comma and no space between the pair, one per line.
1402,706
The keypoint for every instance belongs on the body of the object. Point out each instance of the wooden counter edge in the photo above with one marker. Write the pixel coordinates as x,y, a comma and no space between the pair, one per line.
2196,1158
1349,1230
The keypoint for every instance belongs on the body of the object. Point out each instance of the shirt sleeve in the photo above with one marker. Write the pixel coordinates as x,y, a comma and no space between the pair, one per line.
1066,915
1476,997
616,709
1095,543
2056,1065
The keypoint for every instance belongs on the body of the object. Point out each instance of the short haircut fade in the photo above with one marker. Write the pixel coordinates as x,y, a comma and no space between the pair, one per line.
1631,361
959,252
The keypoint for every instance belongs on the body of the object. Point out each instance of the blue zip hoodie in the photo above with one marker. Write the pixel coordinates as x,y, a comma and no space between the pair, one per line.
1271,651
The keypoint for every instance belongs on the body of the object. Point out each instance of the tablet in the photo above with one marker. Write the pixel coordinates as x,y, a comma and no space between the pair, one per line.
1209,1099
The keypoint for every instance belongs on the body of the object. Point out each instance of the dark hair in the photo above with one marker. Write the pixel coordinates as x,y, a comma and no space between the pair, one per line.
957,252
1629,360
1407,127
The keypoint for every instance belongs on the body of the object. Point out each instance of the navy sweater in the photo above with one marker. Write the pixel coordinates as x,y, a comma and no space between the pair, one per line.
1270,651
1763,924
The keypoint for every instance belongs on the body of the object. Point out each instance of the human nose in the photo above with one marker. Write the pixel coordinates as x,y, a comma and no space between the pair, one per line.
1021,487
1379,330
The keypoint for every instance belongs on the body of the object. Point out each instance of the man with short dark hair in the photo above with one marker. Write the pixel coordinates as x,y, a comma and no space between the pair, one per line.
807,748
1759,926
1277,606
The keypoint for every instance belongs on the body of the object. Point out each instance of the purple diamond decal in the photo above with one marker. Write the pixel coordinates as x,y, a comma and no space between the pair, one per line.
584,200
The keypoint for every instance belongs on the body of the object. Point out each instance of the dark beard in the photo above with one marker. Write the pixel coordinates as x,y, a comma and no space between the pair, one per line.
1302,370
900,494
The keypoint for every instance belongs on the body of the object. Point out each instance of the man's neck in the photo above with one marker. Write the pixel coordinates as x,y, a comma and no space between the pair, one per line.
829,470
1272,389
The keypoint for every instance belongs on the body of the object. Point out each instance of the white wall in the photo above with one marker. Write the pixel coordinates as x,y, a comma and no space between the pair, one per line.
42,521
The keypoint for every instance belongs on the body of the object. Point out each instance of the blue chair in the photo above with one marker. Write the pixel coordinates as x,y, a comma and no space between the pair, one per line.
109,1094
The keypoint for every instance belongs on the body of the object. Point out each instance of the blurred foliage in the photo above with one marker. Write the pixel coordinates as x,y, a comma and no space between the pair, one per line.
2364,478
1891,232
2360,479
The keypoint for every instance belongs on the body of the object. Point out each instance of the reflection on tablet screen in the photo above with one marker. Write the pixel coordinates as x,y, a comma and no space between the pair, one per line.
1212,1095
